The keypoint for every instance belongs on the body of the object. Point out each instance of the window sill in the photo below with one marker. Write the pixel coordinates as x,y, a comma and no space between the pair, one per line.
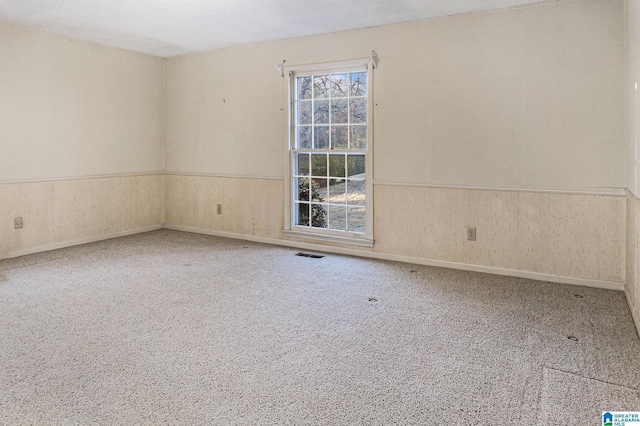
355,241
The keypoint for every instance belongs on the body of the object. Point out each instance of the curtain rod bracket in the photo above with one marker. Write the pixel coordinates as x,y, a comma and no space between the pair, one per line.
280,68
373,59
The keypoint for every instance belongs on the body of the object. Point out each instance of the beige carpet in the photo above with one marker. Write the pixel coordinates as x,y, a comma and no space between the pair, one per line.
176,328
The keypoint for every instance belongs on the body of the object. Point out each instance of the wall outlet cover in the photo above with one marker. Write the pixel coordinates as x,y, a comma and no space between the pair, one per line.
471,233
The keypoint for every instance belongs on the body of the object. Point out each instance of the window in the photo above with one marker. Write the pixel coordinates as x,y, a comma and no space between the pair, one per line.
330,142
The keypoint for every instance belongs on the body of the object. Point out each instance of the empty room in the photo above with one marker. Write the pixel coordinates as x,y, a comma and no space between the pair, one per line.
319,213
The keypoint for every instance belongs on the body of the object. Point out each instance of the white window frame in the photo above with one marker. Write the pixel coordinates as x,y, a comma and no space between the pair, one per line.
290,229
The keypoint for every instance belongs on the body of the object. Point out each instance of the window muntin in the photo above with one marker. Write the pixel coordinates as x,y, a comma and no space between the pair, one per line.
329,154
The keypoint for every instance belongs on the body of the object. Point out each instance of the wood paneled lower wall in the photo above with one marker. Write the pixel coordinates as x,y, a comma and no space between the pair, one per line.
250,207
632,287
573,238
59,213
570,235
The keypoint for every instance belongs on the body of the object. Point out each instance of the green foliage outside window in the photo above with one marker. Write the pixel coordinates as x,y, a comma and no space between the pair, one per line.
318,213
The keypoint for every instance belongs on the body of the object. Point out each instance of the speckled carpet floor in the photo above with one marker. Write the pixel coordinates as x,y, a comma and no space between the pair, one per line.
176,328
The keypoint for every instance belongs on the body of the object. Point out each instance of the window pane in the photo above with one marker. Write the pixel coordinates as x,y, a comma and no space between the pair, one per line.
358,110
319,165
339,139
330,125
303,214
358,137
336,165
304,137
356,191
339,85
358,83
321,112
304,87
338,218
303,189
318,216
355,165
303,165
339,112
321,139
337,191
304,112
356,219
321,86
319,190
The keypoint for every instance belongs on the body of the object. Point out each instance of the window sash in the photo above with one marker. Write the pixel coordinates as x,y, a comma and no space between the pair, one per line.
292,201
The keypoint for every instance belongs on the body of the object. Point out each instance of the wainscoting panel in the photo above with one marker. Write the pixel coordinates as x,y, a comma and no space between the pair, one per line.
632,287
249,206
570,235
60,213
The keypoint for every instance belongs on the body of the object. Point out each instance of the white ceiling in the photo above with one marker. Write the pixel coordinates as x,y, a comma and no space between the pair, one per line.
175,27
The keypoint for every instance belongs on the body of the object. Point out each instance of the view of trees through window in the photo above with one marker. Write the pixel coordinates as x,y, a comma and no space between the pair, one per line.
330,149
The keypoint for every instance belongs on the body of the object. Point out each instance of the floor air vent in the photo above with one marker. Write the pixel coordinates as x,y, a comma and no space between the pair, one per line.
312,256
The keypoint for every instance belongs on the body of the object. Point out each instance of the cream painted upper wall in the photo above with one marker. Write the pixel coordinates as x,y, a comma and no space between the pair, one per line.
633,100
529,97
225,113
74,108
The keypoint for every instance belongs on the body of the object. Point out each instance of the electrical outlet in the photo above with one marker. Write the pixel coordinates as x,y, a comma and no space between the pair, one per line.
219,209
17,223
471,233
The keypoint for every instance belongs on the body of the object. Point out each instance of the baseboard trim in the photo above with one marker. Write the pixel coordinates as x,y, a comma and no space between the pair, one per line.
78,242
608,285
634,315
